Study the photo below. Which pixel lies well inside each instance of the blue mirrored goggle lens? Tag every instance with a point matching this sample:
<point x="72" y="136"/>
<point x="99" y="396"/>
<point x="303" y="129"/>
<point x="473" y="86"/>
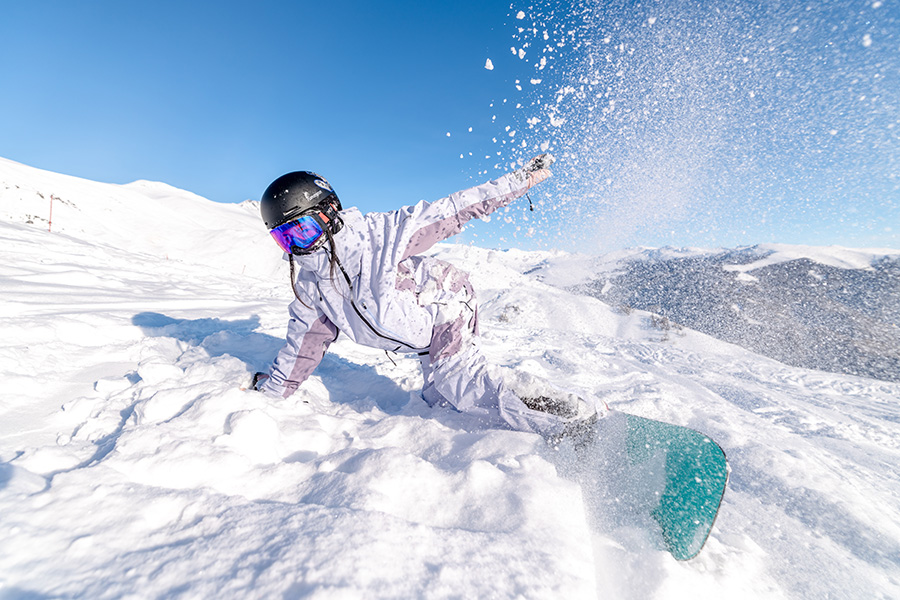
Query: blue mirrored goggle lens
<point x="302" y="232"/>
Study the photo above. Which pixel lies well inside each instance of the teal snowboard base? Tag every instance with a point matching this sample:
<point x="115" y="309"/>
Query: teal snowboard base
<point x="664" y="479"/>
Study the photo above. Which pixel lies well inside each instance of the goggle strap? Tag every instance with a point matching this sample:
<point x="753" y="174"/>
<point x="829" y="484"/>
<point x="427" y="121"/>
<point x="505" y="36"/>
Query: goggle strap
<point x="330" y="216"/>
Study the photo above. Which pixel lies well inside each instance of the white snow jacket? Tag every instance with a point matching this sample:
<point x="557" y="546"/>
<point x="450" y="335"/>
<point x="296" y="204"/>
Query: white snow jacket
<point x="378" y="307"/>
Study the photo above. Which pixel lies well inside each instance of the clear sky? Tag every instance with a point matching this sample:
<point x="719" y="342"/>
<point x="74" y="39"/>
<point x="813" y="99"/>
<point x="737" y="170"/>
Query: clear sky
<point x="728" y="123"/>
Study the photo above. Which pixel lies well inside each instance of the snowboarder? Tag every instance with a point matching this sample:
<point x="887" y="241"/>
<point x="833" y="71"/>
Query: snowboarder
<point x="365" y="275"/>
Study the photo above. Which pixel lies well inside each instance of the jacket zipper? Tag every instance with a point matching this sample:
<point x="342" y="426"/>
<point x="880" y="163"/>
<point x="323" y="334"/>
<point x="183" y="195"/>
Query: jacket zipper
<point x="362" y="317"/>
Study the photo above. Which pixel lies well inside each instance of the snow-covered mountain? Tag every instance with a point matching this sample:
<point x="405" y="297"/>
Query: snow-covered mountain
<point x="834" y="309"/>
<point x="147" y="219"/>
<point x="132" y="464"/>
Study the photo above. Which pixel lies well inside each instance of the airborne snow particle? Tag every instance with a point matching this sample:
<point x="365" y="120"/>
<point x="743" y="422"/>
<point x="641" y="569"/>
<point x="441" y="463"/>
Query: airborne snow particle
<point x="520" y="15"/>
<point x="867" y="40"/>
<point x="489" y="65"/>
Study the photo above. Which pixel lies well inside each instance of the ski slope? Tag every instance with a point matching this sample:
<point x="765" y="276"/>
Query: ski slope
<point x="134" y="465"/>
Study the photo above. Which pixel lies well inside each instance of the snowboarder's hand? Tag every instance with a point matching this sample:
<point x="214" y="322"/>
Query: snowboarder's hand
<point x="540" y="162"/>
<point x="537" y="169"/>
<point x="258" y="380"/>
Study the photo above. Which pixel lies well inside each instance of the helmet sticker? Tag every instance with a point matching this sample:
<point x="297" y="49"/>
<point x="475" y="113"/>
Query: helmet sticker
<point x="323" y="184"/>
<point x="313" y="197"/>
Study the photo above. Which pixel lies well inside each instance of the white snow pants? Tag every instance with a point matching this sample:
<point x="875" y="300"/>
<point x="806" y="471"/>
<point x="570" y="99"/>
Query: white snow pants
<point x="456" y="372"/>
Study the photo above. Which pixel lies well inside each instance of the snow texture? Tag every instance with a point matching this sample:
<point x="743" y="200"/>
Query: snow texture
<point x="133" y="464"/>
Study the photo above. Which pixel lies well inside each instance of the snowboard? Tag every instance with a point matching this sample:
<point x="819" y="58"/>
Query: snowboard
<point x="662" y="479"/>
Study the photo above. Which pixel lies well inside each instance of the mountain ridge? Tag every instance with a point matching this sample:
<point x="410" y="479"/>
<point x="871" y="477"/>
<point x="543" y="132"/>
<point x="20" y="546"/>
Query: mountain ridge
<point x="828" y="308"/>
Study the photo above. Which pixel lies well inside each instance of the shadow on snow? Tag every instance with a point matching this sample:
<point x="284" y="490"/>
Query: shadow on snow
<point x="347" y="382"/>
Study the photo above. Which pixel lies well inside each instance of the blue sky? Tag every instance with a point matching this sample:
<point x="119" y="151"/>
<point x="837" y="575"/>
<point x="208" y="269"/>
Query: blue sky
<point x="722" y="124"/>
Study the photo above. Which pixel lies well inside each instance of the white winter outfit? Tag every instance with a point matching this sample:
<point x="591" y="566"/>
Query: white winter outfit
<point x="385" y="295"/>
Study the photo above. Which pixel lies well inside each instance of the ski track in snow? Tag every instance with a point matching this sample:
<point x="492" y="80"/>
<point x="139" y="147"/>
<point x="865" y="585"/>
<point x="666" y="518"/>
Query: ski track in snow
<point x="132" y="464"/>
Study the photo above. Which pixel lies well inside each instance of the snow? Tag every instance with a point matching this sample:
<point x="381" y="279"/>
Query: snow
<point x="567" y="270"/>
<point x="133" y="464"/>
<point x="833" y="256"/>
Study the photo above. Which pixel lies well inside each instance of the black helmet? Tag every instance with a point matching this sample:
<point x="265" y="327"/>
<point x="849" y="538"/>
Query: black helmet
<point x="291" y="195"/>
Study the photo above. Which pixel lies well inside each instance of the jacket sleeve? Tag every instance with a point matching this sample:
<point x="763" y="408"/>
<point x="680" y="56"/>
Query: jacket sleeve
<point x="421" y="226"/>
<point x="308" y="336"/>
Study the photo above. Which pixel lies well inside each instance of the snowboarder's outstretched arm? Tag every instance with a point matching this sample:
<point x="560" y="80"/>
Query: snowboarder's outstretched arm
<point x="309" y="334"/>
<point x="421" y="226"/>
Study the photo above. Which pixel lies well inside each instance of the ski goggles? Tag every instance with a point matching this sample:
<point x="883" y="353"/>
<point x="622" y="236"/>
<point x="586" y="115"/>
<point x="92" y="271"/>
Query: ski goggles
<point x="300" y="234"/>
<point x="306" y="233"/>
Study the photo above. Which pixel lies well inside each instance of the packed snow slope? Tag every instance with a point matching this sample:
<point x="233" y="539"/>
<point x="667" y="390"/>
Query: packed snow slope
<point x="133" y="464"/>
